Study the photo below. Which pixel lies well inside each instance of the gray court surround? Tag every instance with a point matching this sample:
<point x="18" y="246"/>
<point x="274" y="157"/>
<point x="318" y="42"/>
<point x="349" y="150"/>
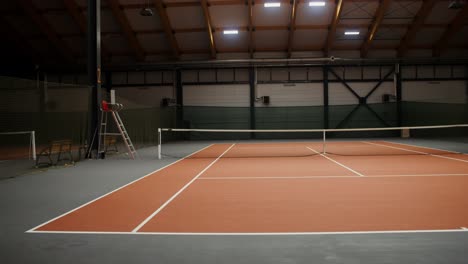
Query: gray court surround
<point x="31" y="199"/>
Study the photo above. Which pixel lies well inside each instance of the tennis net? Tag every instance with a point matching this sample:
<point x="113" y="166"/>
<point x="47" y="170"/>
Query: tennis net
<point x="17" y="145"/>
<point x="416" y="140"/>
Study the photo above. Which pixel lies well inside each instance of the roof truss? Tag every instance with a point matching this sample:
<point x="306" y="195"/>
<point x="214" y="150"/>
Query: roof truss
<point x="418" y="22"/>
<point x="332" y="29"/>
<point x="209" y="28"/>
<point x="161" y="8"/>
<point x="454" y="27"/>
<point x="292" y="26"/>
<point x="379" y="15"/>
<point x="127" y="29"/>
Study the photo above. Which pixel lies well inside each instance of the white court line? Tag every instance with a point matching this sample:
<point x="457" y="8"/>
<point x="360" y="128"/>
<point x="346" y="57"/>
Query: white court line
<point x="415" y="151"/>
<point x="344" y="166"/>
<point x="262" y="234"/>
<point x="179" y="192"/>
<point x="416" y="146"/>
<point x="332" y="177"/>
<point x="104" y="195"/>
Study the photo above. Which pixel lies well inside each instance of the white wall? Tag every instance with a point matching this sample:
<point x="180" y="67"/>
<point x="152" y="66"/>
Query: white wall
<point x="437" y="92"/>
<point x="216" y="95"/>
<point x="143" y="97"/>
<point x="340" y="95"/>
<point x="299" y="94"/>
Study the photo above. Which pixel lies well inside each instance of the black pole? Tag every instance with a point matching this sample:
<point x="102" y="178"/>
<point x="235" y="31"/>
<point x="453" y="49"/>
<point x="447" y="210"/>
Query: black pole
<point x="94" y="74"/>
<point x="398" y="95"/>
<point x="326" y="122"/>
<point x="179" y="99"/>
<point x="252" y="100"/>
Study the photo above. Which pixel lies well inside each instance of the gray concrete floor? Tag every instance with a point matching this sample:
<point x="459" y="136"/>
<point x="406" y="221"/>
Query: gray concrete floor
<point x="34" y="197"/>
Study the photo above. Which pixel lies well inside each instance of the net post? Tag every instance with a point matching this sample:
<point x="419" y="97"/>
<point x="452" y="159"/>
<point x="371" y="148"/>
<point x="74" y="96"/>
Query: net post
<point x="33" y="144"/>
<point x="323" y="142"/>
<point x="159" y="143"/>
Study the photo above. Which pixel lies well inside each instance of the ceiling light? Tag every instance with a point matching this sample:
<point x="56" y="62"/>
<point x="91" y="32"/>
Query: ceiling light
<point x="351" y="33"/>
<point x="231" y="32"/>
<point x="146" y="11"/>
<point x="273" y="4"/>
<point x="317" y="3"/>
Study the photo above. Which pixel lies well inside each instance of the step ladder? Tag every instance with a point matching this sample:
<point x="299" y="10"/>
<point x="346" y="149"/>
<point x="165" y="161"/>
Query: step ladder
<point x="123" y="132"/>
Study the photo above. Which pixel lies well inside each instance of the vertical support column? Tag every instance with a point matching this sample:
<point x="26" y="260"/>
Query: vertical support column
<point x="179" y="99"/>
<point x="326" y="122"/>
<point x="252" y="84"/>
<point x="398" y="90"/>
<point x="94" y="73"/>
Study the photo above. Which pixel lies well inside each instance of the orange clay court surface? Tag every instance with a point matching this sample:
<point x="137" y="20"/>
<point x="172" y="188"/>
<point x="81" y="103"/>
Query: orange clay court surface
<point x="217" y="191"/>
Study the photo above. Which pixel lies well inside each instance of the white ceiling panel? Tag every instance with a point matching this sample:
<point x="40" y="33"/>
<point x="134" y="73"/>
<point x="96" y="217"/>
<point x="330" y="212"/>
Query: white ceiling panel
<point x="309" y="39"/>
<point x="227" y="43"/>
<point x="387" y="43"/>
<point x="187" y="17"/>
<point x="403" y="9"/>
<point x="308" y="15"/>
<point x="229" y="16"/>
<point x="271" y="16"/>
<point x="153" y="42"/>
<point x="441" y="14"/>
<point x="428" y="36"/>
<point x="348" y="44"/>
<point x="108" y="22"/>
<point x="271" y="39"/>
<point x="385" y="33"/>
<point x="139" y="22"/>
<point x="340" y="34"/>
<point x="116" y="43"/>
<point x="193" y="41"/>
<point x="359" y="10"/>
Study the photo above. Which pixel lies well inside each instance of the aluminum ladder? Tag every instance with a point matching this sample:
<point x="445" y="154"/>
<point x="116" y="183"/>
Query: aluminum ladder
<point x="123" y="132"/>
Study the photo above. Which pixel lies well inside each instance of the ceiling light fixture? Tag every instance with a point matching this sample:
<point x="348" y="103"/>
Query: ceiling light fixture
<point x="231" y="32"/>
<point x="317" y="3"/>
<point x="272" y="4"/>
<point x="351" y="33"/>
<point x="146" y="11"/>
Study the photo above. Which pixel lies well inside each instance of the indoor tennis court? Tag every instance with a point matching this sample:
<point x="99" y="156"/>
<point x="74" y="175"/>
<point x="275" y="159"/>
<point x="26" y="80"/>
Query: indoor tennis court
<point x="234" y="131"/>
<point x="236" y="189"/>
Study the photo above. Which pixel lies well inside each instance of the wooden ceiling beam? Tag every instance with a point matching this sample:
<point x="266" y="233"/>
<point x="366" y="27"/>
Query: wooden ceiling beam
<point x="76" y="14"/>
<point x="332" y="29"/>
<point x="292" y="26"/>
<point x="454" y="27"/>
<point x="206" y="14"/>
<point x="161" y="8"/>
<point x="417" y="24"/>
<point x="47" y="30"/>
<point x="379" y="15"/>
<point x="251" y="28"/>
<point x="127" y="29"/>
